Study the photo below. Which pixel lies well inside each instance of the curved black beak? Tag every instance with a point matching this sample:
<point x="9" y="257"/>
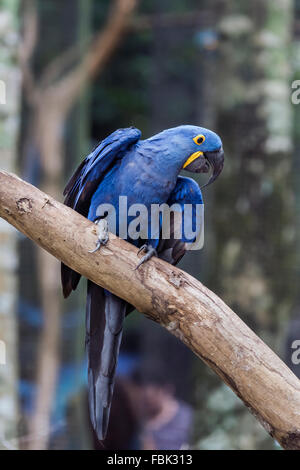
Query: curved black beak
<point x="216" y="162"/>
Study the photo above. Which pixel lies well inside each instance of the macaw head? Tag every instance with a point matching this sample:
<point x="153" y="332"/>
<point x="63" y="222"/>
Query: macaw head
<point x="194" y="149"/>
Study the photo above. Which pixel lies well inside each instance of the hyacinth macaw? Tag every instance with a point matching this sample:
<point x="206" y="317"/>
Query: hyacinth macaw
<point x="147" y="172"/>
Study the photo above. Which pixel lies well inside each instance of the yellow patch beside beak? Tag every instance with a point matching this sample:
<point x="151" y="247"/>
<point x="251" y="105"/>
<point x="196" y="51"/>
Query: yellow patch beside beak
<point x="192" y="158"/>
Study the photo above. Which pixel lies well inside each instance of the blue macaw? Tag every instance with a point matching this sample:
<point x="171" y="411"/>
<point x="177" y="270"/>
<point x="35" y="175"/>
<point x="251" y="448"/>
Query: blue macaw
<point x="146" y="172"/>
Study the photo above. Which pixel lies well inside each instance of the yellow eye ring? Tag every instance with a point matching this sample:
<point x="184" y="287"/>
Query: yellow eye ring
<point x="199" y="139"/>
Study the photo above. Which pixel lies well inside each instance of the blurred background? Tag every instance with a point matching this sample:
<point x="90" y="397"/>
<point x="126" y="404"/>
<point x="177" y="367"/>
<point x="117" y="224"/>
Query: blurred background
<point x="71" y="73"/>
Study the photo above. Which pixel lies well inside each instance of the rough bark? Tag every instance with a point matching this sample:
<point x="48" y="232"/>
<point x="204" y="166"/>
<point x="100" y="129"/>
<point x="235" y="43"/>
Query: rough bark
<point x="169" y="296"/>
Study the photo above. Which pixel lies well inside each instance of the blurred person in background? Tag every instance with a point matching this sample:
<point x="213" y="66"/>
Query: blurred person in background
<point x="166" y="421"/>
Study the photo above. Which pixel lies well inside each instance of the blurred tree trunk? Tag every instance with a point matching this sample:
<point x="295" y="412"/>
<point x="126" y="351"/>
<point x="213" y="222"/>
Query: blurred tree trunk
<point x="296" y="162"/>
<point x="253" y="222"/>
<point x="9" y="110"/>
<point x="53" y="84"/>
<point x="296" y="128"/>
<point x="46" y="136"/>
<point x="293" y="333"/>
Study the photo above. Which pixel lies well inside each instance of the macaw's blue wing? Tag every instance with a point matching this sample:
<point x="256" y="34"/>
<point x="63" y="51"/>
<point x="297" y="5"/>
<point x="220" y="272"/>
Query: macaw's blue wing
<point x="89" y="174"/>
<point x="87" y="178"/>
<point x="187" y="197"/>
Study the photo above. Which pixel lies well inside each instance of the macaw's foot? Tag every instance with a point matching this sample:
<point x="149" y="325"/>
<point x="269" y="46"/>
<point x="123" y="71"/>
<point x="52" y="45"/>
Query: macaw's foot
<point x="149" y="250"/>
<point x="102" y="234"/>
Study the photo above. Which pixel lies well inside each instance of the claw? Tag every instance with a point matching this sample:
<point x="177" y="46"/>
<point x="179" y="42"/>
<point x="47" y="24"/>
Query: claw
<point x="102" y="234"/>
<point x="143" y="248"/>
<point x="99" y="244"/>
<point x="150" y="251"/>
<point x="97" y="247"/>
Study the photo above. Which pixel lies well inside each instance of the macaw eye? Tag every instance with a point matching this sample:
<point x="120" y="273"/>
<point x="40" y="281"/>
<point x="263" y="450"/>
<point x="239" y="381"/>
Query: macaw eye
<point x="199" y="139"/>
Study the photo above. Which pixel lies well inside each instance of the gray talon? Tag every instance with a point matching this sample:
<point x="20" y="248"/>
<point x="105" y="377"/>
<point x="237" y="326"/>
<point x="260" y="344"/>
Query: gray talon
<point x="98" y="246"/>
<point x="103" y="237"/>
<point x="143" y="248"/>
<point x="150" y="251"/>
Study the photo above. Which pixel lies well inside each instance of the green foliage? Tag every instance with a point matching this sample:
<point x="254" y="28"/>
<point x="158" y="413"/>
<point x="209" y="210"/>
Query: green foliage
<point x="10" y="5"/>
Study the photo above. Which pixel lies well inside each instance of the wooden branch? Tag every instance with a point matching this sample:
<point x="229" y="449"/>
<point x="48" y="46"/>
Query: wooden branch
<point x="169" y="296"/>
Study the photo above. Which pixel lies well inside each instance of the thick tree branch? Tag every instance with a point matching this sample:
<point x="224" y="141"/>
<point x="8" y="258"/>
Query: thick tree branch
<point x="169" y="296"/>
